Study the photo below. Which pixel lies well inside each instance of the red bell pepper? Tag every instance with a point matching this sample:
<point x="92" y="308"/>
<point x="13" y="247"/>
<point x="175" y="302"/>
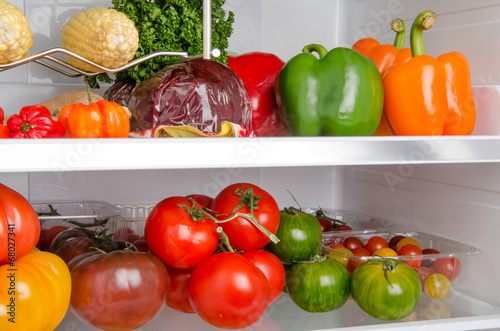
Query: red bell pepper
<point x="258" y="72"/>
<point x="4" y="129"/>
<point x="34" y="122"/>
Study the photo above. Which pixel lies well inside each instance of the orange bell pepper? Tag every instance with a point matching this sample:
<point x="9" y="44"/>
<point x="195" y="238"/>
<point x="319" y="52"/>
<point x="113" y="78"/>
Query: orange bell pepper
<point x="426" y="95"/>
<point x="102" y="119"/>
<point x="385" y="56"/>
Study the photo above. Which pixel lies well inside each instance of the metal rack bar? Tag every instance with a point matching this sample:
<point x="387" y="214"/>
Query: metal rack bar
<point x="45" y="57"/>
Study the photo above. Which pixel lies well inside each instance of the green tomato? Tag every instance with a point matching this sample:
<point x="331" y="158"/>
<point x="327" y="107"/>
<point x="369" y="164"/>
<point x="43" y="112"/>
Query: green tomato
<point x="386" y="289"/>
<point x="299" y="234"/>
<point x="318" y="285"/>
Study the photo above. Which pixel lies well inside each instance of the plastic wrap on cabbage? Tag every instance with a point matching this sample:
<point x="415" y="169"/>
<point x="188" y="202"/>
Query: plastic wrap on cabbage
<point x="199" y="93"/>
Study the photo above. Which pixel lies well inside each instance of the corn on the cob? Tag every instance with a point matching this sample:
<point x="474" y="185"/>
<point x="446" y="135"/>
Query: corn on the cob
<point x="104" y="36"/>
<point x="16" y="37"/>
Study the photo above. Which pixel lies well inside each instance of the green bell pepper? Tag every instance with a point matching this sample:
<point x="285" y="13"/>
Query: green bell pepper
<point x="338" y="94"/>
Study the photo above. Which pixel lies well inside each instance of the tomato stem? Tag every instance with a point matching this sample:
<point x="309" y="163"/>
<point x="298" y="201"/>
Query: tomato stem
<point x="321" y="214"/>
<point x="224" y="245"/>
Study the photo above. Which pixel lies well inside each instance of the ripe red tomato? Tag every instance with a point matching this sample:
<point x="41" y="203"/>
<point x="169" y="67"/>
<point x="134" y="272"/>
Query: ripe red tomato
<point x="179" y="233"/>
<point x="448" y="266"/>
<point x="228" y="291"/>
<point x="352" y="264"/>
<point x="352" y="242"/>
<point x="272" y="268"/>
<point x="19" y="225"/>
<point x="375" y="243"/>
<point x="411" y="250"/>
<point x="204" y="200"/>
<point x="239" y="198"/>
<point x="132" y="289"/>
<point x="178" y="298"/>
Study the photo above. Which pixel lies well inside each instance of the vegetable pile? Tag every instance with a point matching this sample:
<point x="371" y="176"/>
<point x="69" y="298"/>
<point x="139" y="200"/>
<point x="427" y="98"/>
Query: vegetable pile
<point x="225" y="258"/>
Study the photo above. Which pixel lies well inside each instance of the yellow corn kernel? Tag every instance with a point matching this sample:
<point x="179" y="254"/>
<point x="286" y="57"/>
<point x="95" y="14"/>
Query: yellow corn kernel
<point x="104" y="36"/>
<point x="16" y="37"/>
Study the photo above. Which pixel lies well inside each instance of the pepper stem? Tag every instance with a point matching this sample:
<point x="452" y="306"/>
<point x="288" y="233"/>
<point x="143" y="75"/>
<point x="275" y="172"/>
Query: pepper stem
<point x="315" y="48"/>
<point x="424" y="21"/>
<point x="398" y="26"/>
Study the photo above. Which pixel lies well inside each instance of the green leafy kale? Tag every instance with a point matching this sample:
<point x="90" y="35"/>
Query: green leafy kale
<point x="171" y="25"/>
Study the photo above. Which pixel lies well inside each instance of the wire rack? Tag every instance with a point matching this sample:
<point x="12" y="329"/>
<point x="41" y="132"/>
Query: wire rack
<point x="47" y="59"/>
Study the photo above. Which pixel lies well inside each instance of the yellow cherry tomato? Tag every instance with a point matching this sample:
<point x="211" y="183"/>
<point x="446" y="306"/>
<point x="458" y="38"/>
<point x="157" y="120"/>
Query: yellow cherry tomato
<point x="437" y="286"/>
<point x="340" y="254"/>
<point x="386" y="251"/>
<point x="406" y="241"/>
<point x="37" y="292"/>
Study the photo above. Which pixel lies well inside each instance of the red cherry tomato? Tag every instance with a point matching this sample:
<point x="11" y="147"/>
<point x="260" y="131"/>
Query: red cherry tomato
<point x="375" y="243"/>
<point x="272" y="268"/>
<point x="326" y="224"/>
<point x="428" y="262"/>
<point x="237" y="199"/>
<point x="228" y="291"/>
<point x="179" y="233"/>
<point x="448" y="266"/>
<point x="352" y="242"/>
<point x="343" y="227"/>
<point x="178" y="298"/>
<point x="354" y="263"/>
<point x="411" y="250"/>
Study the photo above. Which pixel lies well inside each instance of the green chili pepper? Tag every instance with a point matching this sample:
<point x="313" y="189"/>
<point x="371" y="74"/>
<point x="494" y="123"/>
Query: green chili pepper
<point x="338" y="94"/>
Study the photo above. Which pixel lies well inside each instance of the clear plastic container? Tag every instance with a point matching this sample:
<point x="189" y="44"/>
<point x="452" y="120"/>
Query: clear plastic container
<point x="359" y="223"/>
<point x="448" y="260"/>
<point x="58" y="216"/>
<point x="130" y="225"/>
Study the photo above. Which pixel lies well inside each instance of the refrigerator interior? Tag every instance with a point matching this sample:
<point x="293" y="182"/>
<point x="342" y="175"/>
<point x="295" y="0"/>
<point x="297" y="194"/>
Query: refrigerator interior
<point x="444" y="186"/>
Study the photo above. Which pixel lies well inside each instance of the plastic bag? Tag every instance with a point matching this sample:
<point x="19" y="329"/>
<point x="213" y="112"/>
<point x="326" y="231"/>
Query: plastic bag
<point x="199" y="93"/>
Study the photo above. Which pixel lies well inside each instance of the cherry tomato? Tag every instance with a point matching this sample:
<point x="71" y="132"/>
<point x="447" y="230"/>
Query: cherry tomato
<point x="326" y="224"/>
<point x="354" y="263"/>
<point x="437" y="286"/>
<point x="343" y="227"/>
<point x="406" y="241"/>
<point x="340" y="254"/>
<point x="178" y="298"/>
<point x="375" y="243"/>
<point x="204" y="200"/>
<point x="428" y="262"/>
<point x="240" y="198"/>
<point x="423" y="272"/>
<point x="335" y="245"/>
<point x="393" y="242"/>
<point x="352" y="242"/>
<point x="385" y="251"/>
<point x="179" y="233"/>
<point x="411" y="250"/>
<point x="448" y="266"/>
<point x="272" y="268"/>
<point x="228" y="291"/>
